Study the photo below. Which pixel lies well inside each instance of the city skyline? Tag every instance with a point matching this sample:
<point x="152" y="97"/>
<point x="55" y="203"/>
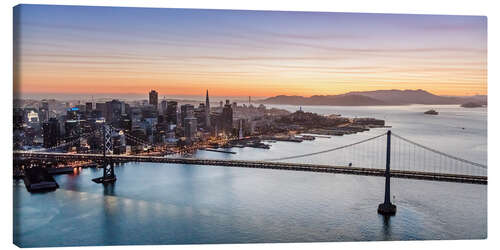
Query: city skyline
<point x="110" y="50"/>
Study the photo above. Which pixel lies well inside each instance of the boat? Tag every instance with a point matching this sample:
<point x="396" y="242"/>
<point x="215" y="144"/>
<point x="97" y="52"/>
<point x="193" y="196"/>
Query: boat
<point x="308" y="137"/>
<point x="218" y="151"/>
<point x="431" y="112"/>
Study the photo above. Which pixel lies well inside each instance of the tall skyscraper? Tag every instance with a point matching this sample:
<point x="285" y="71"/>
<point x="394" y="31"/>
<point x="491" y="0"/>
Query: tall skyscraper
<point x="163" y="106"/>
<point x="88" y="107"/>
<point x="101" y="109"/>
<point x="171" y="112"/>
<point x="153" y="98"/>
<point x="51" y="133"/>
<point x="190" y="128"/>
<point x="43" y="111"/>
<point x="207" y="111"/>
<point x="227" y="118"/>
<point x="240" y="131"/>
<point x="187" y="110"/>
<point x="113" y="111"/>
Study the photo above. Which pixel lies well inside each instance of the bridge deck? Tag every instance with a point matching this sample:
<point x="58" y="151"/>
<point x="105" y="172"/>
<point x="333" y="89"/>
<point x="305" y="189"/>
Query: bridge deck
<point x="38" y="156"/>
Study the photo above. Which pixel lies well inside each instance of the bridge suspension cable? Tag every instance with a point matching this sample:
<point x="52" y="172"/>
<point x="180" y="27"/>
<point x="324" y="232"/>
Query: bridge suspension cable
<point x="440" y="153"/>
<point x="327" y="150"/>
<point x="132" y="138"/>
<point x="86" y="135"/>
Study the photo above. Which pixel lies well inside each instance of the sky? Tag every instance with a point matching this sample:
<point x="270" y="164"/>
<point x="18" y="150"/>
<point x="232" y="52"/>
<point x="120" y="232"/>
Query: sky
<point x="113" y="50"/>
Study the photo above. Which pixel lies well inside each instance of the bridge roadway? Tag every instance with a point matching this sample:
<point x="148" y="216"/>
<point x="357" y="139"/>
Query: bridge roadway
<point x="43" y="156"/>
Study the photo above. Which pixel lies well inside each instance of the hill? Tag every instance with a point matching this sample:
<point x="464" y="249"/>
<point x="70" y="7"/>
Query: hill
<point x="369" y="98"/>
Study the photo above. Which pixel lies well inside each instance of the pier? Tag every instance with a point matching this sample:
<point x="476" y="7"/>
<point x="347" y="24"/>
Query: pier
<point x="217" y="150"/>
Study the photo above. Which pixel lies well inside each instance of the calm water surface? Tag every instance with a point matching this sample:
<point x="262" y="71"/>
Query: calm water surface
<point x="185" y="204"/>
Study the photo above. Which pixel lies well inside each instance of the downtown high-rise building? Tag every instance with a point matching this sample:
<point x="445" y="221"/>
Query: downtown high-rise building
<point x="227" y="118"/>
<point x="187" y="110"/>
<point x="207" y="111"/>
<point x="171" y="114"/>
<point x="51" y="133"/>
<point x="163" y="109"/>
<point x="190" y="125"/>
<point x="43" y="112"/>
<point x="88" y="107"/>
<point x="153" y="98"/>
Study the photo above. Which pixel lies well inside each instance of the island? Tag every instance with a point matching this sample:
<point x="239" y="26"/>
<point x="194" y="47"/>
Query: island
<point x="471" y="105"/>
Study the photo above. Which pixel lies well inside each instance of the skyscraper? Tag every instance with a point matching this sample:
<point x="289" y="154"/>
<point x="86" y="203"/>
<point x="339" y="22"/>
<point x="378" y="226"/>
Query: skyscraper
<point x="163" y="106"/>
<point x="51" y="133"/>
<point x="101" y="109"/>
<point x="187" y="110"/>
<point x="88" y="107"/>
<point x="153" y="98"/>
<point x="227" y="118"/>
<point x="43" y="112"/>
<point x="190" y="128"/>
<point x="113" y="111"/>
<point x="207" y="111"/>
<point x="171" y="112"/>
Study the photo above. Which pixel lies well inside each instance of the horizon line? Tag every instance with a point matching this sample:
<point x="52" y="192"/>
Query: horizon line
<point x="17" y="95"/>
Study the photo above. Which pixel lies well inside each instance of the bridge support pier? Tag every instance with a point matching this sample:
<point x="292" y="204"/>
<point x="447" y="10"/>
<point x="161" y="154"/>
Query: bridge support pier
<point x="109" y="166"/>
<point x="387" y="208"/>
<point x="108" y="174"/>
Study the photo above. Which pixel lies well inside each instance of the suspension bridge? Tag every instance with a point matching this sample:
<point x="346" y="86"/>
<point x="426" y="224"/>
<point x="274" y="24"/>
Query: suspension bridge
<point x="386" y="155"/>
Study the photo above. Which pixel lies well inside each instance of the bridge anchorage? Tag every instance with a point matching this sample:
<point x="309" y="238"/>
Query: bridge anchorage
<point x="108" y="165"/>
<point x="387" y="208"/>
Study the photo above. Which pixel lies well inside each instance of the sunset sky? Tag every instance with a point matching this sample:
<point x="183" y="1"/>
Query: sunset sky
<point x="94" y="50"/>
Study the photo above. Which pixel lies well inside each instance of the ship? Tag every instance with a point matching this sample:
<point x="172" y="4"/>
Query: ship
<point x="431" y="112"/>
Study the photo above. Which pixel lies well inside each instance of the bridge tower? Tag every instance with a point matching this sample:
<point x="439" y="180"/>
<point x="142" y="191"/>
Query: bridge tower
<point x="108" y="165"/>
<point x="387" y="208"/>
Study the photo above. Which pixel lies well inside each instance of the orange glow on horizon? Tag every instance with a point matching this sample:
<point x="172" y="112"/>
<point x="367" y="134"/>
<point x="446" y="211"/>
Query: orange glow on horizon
<point x="185" y="52"/>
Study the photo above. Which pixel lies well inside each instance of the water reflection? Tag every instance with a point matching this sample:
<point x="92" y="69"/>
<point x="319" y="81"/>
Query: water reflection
<point x="181" y="204"/>
<point x="108" y="189"/>
<point x="386" y="229"/>
<point x="110" y="215"/>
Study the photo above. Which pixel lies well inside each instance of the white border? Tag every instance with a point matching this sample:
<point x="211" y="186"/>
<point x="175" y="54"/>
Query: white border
<point x="471" y="7"/>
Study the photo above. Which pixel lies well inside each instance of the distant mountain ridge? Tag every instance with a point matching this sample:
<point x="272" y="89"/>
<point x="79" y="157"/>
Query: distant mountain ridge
<point x="373" y="98"/>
